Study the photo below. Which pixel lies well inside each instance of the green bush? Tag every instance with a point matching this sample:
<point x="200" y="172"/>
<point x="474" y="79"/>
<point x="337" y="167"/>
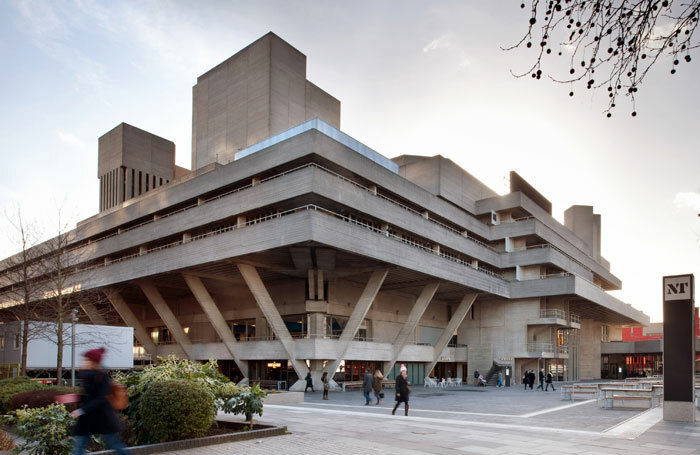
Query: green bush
<point x="176" y="409"/>
<point x="14" y="386"/>
<point x="45" y="430"/>
<point x="248" y="401"/>
<point x="206" y="375"/>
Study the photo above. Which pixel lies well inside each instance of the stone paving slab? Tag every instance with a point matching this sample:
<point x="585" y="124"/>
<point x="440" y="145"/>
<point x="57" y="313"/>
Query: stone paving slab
<point x="332" y="429"/>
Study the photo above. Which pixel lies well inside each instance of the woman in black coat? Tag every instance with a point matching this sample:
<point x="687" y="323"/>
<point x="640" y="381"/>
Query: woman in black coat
<point x="309" y="382"/>
<point x="402" y="390"/>
<point x="95" y="415"/>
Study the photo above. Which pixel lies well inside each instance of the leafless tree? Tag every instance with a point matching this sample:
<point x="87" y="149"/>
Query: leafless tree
<point x="609" y="44"/>
<point x="22" y="272"/>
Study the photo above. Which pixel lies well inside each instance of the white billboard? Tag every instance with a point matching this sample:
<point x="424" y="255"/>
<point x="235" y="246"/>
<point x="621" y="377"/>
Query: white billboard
<point x="117" y="341"/>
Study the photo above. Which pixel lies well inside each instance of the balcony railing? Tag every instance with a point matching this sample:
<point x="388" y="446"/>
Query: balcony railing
<point x="547" y="348"/>
<point x="553" y="313"/>
<point x="560" y="314"/>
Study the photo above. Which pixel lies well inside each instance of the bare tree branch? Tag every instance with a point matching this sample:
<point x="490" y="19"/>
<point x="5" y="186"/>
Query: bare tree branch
<point x="611" y="44"/>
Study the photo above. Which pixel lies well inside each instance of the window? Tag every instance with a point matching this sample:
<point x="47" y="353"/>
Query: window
<point x="471" y="312"/>
<point x="18" y="342"/>
<point x="243" y="330"/>
<point x="132" y="182"/>
<point x="139" y="182"/>
<point x="604" y="337"/>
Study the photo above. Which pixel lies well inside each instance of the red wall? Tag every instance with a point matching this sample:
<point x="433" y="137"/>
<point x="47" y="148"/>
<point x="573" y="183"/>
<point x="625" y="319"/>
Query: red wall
<point x="637" y="333"/>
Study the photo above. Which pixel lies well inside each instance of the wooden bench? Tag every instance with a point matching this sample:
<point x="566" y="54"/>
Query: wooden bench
<point x="349" y="385"/>
<point x="608" y="395"/>
<point x="610" y="401"/>
<point x="571" y="391"/>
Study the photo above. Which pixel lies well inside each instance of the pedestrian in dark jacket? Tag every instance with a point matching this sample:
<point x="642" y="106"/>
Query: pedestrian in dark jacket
<point x="309" y="382"/>
<point x="367" y="384"/>
<point x="550" y="377"/>
<point x="526" y="379"/>
<point x="541" y="378"/>
<point x="402" y="390"/>
<point x="531" y="377"/>
<point x="95" y="415"/>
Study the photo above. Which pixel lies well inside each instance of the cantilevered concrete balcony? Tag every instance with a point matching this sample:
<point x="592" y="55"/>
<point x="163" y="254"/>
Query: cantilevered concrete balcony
<point x="543" y="351"/>
<point x="556" y="317"/>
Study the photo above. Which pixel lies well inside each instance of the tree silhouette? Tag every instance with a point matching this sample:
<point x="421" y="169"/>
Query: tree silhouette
<point x="609" y="44"/>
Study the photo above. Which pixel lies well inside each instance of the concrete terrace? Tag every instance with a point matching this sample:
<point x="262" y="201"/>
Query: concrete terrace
<point x="467" y="420"/>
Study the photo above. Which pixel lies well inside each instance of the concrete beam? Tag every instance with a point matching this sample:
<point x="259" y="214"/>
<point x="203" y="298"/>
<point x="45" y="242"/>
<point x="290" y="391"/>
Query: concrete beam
<point x="132" y="321"/>
<point x="268" y="308"/>
<point x="168" y="317"/>
<point x="356" y="317"/>
<point x="92" y="313"/>
<point x="457" y="318"/>
<point x="412" y="321"/>
<point x="211" y="310"/>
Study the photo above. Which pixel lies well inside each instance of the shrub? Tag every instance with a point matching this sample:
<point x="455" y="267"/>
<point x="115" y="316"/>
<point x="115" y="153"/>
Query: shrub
<point x="176" y="409"/>
<point x="6" y="442"/>
<point x="248" y="401"/>
<point x="206" y="375"/>
<point x="13" y="386"/>
<point x="44" y="430"/>
<point x="42" y="398"/>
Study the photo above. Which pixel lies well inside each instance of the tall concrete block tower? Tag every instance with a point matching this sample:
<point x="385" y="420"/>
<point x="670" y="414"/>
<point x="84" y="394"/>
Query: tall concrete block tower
<point x="257" y="93"/>
<point x="130" y="162"/>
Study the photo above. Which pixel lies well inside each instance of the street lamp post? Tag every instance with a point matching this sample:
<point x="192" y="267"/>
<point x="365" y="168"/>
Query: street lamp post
<point x="74" y="319"/>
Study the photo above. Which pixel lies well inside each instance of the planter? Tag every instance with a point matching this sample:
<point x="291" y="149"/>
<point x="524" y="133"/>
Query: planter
<point x="262" y="431"/>
<point x="284" y="398"/>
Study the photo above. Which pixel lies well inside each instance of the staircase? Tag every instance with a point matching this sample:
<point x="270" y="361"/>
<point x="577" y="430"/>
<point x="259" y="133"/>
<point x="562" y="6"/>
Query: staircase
<point x="492" y="376"/>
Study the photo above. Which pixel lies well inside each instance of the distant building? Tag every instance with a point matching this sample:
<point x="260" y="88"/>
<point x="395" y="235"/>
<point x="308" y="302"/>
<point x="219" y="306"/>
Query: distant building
<point x="292" y="246"/>
<point x="638" y="351"/>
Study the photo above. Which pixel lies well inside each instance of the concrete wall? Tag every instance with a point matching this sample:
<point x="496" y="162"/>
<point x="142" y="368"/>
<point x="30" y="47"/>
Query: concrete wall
<point x="257" y="93"/>
<point x="581" y="220"/>
<point x="590" y="349"/>
<point x="442" y="177"/>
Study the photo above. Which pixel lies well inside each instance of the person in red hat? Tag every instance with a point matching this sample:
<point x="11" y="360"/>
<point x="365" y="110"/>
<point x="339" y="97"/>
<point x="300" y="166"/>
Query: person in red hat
<point x="95" y="415"/>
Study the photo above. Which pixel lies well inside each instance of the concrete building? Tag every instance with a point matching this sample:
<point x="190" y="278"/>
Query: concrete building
<point x="291" y="246"/>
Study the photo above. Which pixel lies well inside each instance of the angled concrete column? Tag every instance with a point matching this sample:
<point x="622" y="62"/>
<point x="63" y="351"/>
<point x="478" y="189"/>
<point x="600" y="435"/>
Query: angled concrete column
<point x="168" y="318"/>
<point x="132" y="321"/>
<point x="92" y="313"/>
<point x="267" y="306"/>
<point x="407" y="329"/>
<point x="356" y="317"/>
<point x="455" y="321"/>
<point x="211" y="310"/>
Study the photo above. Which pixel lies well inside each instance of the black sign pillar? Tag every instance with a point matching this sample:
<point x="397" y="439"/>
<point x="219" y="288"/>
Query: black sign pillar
<point x="679" y="348"/>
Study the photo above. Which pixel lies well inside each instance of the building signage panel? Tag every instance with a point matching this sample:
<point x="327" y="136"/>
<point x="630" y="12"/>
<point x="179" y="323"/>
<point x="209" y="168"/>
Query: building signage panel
<point x="679" y="348"/>
<point x="678" y="288"/>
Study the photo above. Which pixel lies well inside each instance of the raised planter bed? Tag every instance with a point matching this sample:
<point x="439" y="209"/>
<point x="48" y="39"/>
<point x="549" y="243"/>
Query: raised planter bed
<point x="284" y="398"/>
<point x="260" y="431"/>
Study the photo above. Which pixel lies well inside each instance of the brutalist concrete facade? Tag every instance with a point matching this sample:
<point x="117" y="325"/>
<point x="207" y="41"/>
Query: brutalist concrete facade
<point x="291" y="246"/>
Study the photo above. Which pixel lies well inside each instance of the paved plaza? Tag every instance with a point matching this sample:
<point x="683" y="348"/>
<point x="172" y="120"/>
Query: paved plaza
<point x="466" y="420"/>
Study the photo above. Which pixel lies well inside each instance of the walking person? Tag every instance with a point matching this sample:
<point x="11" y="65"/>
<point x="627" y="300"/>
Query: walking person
<point x="526" y="379"/>
<point x="96" y="415"/>
<point x="550" y="377"/>
<point x="367" y="384"/>
<point x="500" y="379"/>
<point x="476" y="377"/>
<point x="531" y="378"/>
<point x="309" y="382"/>
<point x="403" y="390"/>
<point x="326" y="385"/>
<point x="377" y="386"/>
<point x="541" y="378"/>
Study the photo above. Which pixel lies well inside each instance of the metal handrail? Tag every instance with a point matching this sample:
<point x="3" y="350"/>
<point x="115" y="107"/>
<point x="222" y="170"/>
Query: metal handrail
<point x="553" y="313"/>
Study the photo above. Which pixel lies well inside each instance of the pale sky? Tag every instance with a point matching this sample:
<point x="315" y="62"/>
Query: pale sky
<point x="413" y="77"/>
